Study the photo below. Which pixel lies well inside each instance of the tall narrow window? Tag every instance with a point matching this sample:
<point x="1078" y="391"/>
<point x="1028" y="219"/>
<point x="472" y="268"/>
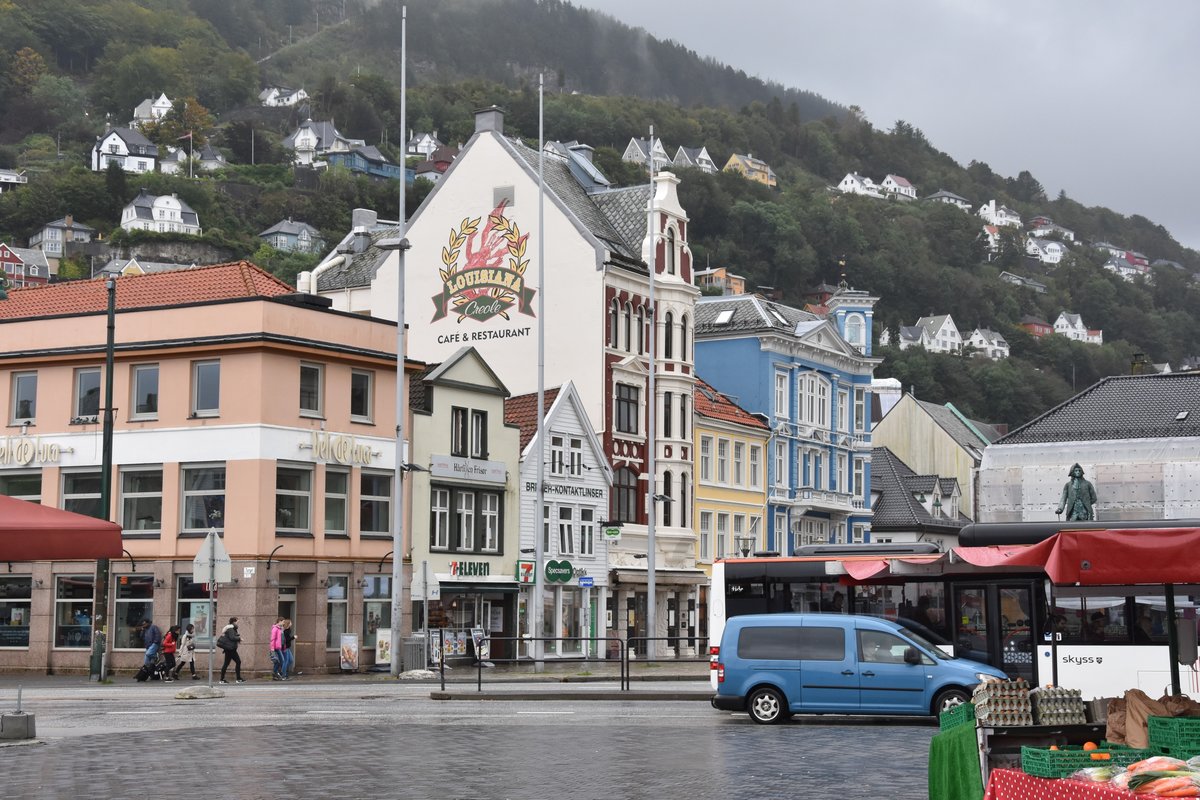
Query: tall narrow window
<point x="857" y="488"/>
<point x="641" y="330"/>
<point x="669" y="495"/>
<point x="311" y="390"/>
<point x="671" y="251"/>
<point x="755" y="466"/>
<point x="545" y="529"/>
<point x="24" y="394"/>
<point x="87" y="393"/>
<point x="362" y="391"/>
<point x="458" y="432"/>
<point x="722" y="535"/>
<point x="337" y="501"/>
<point x="490" y="507"/>
<point x="781" y="464"/>
<point x="683" y="339"/>
<point x="145" y="391"/>
<point x="683" y="500"/>
<point x="722" y="461"/>
<point x="614" y="324"/>
<point x="781" y="394"/>
<point x="206" y="388"/>
<point x="439" y="519"/>
<point x="628" y="320"/>
<point x="587" y="532"/>
<point x="705" y="535"/>
<point x="625" y="495"/>
<point x="576" y="457"/>
<point x="739" y="463"/>
<point x="464" y="512"/>
<point x="566" y="534"/>
<point x="558" y="454"/>
<point x="685" y="426"/>
<point x="668" y="400"/>
<point x="840" y="485"/>
<point x="860" y="409"/>
<point x="479" y="431"/>
<point x="669" y="335"/>
<point x="375" y="504"/>
<point x="627" y="408"/>
<point x="706" y="458"/>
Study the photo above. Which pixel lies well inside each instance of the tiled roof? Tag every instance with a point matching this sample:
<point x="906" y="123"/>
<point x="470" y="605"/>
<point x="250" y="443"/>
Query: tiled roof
<point x="522" y="412"/>
<point x="1121" y="407"/>
<point x="710" y="403"/>
<point x="897" y="508"/>
<point x="239" y="279"/>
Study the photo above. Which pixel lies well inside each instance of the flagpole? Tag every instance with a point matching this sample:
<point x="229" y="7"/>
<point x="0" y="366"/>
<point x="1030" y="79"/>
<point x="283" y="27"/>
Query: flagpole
<point x="651" y="419"/>
<point x="539" y="543"/>
<point x="191" y="138"/>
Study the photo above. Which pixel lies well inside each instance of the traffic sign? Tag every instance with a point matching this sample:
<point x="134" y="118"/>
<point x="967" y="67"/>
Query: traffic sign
<point x="586" y="581"/>
<point x="212" y="561"/>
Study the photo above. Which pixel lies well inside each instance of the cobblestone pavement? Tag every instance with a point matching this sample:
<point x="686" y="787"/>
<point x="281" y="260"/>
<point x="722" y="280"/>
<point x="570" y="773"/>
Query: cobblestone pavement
<point x="299" y="740"/>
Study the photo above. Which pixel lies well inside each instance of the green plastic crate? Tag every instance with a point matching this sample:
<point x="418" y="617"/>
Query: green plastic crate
<point x="1046" y="763"/>
<point x="959" y="715"/>
<point x="1178" y="735"/>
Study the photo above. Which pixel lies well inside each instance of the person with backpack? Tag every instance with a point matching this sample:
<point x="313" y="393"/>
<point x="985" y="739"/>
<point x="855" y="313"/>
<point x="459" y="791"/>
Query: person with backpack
<point x="228" y="641"/>
<point x="277" y="673"/>
<point x="152" y="639"/>
<point x="169" y="644"/>
<point x="187" y="652"/>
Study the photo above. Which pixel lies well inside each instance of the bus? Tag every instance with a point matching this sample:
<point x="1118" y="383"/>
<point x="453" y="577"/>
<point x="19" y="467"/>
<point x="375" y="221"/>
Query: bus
<point x="1101" y="640"/>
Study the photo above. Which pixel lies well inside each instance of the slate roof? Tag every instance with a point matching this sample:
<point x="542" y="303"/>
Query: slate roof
<point x="933" y="324"/>
<point x="959" y="427"/>
<point x="911" y="333"/>
<point x="32" y="257"/>
<point x="287" y="226"/>
<point x="326" y="135"/>
<point x="134" y="141"/>
<point x="418" y="394"/>
<point x="363" y="266"/>
<point x="751" y="312"/>
<point x="1120" y="407"/>
<point x="62" y="223"/>
<point x="522" y="412"/>
<point x="940" y="193"/>
<point x="239" y="279"/>
<point x="896" y="483"/>
<point x="708" y="402"/>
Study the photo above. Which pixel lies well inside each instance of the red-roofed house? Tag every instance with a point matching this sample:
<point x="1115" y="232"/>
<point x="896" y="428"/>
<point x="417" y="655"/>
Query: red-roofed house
<point x="731" y="484"/>
<point x="238" y="406"/>
<point x="898" y="186"/>
<point x="577" y="482"/>
<point x="23" y="267"/>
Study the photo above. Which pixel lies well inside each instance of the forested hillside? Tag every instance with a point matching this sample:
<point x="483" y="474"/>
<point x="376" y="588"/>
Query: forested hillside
<point x="67" y="65"/>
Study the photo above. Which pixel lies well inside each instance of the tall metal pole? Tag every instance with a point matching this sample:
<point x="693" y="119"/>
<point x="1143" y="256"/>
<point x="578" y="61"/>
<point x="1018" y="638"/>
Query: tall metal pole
<point x="398" y="548"/>
<point x="212" y="599"/>
<point x="539" y="545"/>
<point x="651" y="419"/>
<point x="100" y="590"/>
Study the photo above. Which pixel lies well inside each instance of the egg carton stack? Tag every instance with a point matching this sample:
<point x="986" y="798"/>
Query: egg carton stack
<point x="1055" y="706"/>
<point x="1003" y="703"/>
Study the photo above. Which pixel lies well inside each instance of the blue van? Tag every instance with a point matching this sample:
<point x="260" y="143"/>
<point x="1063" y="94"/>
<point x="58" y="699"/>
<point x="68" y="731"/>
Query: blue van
<point x="775" y="665"/>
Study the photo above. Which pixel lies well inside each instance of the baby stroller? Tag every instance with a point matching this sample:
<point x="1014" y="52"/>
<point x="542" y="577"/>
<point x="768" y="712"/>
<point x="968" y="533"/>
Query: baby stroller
<point x="154" y="671"/>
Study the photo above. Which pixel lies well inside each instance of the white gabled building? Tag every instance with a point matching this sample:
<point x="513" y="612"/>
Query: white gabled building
<point x="897" y="186"/>
<point x="637" y="149"/>
<point x="695" y="158"/>
<point x="988" y="343"/>
<point x="281" y="96"/>
<point x="999" y="215"/>
<point x="943" y="334"/>
<point x="854" y="183"/>
<point x="150" y="110"/>
<point x="1071" y="326"/>
<point x="162" y="214"/>
<point x="1047" y="251"/>
<point x="950" y="198"/>
<point x="126" y="147"/>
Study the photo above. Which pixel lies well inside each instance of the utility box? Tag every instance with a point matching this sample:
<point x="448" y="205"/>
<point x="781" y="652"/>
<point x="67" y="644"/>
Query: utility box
<point x="17" y="726"/>
<point x="413" y="654"/>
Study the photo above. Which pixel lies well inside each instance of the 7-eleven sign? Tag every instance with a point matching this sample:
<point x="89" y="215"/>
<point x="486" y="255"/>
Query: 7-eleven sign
<point x="525" y="572"/>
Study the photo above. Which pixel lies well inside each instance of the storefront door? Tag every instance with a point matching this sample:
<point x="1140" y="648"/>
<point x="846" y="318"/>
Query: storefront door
<point x="635" y="631"/>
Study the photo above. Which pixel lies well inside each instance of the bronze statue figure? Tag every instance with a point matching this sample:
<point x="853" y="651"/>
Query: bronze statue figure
<point x="1078" y="497"/>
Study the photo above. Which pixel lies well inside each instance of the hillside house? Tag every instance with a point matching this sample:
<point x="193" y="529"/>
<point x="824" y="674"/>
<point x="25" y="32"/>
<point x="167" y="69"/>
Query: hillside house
<point x="422" y="144"/>
<point x="999" y="215"/>
<point x="281" y="97"/>
<point x="23" y="266"/>
<point x="366" y="160"/>
<point x="1071" y="326"/>
<point x="943" y="334"/>
<point x="150" y="110"/>
<point x="207" y="159"/>
<point x="992" y="234"/>
<point x="55" y="237"/>
<point x="637" y="149"/>
<point x="694" y="158"/>
<point x="162" y="213"/>
<point x="906" y="336"/>
<point x="1047" y="251"/>
<point x="988" y="343"/>
<point x="127" y="148"/>
<point x="1036" y="326"/>
<point x="1044" y="226"/>
<point x="293" y="237"/>
<point x="854" y="183"/>
<point x="897" y="186"/>
<point x="950" y="198"/>
<point x="721" y="278"/>
<point x="1125" y="268"/>
<point x="137" y="266"/>
<point x="751" y="168"/>
<point x="313" y="141"/>
<point x="10" y="179"/>
<point x="1023" y="282"/>
<point x="434" y="167"/>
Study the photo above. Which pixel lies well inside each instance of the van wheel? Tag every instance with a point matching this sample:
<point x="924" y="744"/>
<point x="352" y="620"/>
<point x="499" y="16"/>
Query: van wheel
<point x="948" y="699"/>
<point x="767" y="707"/>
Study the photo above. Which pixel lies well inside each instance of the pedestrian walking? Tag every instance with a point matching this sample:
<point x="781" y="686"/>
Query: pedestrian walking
<point x="277" y="673"/>
<point x="228" y="641"/>
<point x="186" y="652"/>
<point x="170" y="644"/>
<point x="289" y="654"/>
<point x="152" y="639"/>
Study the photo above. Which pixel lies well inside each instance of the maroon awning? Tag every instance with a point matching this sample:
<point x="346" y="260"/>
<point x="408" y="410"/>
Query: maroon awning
<point x="1102" y="557"/>
<point x="32" y="532"/>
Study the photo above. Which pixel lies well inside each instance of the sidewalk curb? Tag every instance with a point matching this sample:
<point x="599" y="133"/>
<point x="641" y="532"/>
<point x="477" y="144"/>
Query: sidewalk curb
<point x="573" y="695"/>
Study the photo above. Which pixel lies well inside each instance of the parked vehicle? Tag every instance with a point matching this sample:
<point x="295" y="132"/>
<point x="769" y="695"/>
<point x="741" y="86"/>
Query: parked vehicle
<point x="775" y="665"/>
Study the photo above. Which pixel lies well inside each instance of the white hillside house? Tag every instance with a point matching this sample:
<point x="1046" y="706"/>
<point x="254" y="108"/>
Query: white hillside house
<point x="999" y="215"/>
<point x="150" y="110"/>
<point x="943" y="334"/>
<point x="1047" y="251"/>
<point x="897" y="186"/>
<point x="988" y="343"/>
<point x="162" y="214"/>
<point x="281" y="97"/>
<point x="950" y="199"/>
<point x="1071" y="326"/>
<point x="854" y="183"/>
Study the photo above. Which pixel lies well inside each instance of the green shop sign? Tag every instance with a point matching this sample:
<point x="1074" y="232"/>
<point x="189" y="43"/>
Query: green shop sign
<point x="559" y="571"/>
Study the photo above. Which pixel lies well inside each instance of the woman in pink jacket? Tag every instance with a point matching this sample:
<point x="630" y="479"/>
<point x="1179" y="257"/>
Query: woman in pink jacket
<point x="277" y="673"/>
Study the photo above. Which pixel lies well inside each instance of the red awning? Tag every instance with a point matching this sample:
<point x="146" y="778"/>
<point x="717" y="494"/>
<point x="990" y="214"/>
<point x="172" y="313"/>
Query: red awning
<point x="1102" y="557"/>
<point x="861" y="569"/>
<point x="32" y="532"/>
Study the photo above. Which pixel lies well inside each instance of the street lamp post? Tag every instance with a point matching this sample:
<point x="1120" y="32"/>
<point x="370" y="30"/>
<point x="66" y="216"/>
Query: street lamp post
<point x="100" y="590"/>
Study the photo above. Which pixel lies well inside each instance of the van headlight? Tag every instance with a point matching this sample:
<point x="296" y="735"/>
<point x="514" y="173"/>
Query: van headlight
<point x="984" y="676"/>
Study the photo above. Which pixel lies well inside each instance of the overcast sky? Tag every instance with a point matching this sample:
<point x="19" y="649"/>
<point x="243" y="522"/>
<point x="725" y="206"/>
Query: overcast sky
<point x="1097" y="97"/>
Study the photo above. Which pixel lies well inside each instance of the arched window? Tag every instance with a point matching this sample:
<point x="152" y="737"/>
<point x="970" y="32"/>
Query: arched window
<point x="683" y="339"/>
<point x="668" y="336"/>
<point x="856" y="330"/>
<point x="614" y="323"/>
<point x="628" y="324"/>
<point x="666" y="506"/>
<point x="671" y="251"/>
<point x="641" y="333"/>
<point x="683" y="503"/>
<point x="625" y="495"/>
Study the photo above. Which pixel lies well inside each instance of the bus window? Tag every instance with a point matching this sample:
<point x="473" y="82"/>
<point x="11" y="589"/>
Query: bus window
<point x="919" y="607"/>
<point x="1093" y="620"/>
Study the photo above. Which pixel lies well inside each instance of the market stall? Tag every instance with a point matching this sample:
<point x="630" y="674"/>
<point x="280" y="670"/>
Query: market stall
<point x="33" y="532"/>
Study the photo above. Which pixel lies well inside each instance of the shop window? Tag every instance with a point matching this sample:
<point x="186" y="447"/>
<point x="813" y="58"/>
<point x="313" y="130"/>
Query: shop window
<point x="375" y="503"/>
<point x="206" y="388"/>
<point x="193" y="608"/>
<point x="490" y="521"/>
<point x="627" y="408"/>
<point x="141" y="500"/>
<point x="439" y="519"/>
<point x="362" y="396"/>
<point x="134" y="603"/>
<point x="81" y="493"/>
<point x="145" y="391"/>
<point x="22" y="485"/>
<point x="24" y="393"/>
<point x="336" y="610"/>
<point x="73" y="611"/>
<point x="558" y="454"/>
<point x="293" y="500"/>
<point x="203" y="500"/>
<point x="337" y="501"/>
<point x="587" y="532"/>
<point x="16" y="593"/>
<point x="566" y="534"/>
<point x="377" y="607"/>
<point x="87" y="393"/>
<point x="625" y="495"/>
<point x="706" y="535"/>
<point x="311" y="390"/>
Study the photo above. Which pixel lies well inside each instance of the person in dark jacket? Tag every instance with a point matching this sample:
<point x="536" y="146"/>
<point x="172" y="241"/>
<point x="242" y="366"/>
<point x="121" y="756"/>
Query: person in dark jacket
<point x="152" y="638"/>
<point x="228" y="641"/>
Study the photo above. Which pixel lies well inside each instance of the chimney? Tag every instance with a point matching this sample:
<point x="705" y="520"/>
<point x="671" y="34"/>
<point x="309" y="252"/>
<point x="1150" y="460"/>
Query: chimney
<point x="490" y="119"/>
<point x="585" y="152"/>
<point x="70" y="220"/>
<point x="360" y="240"/>
<point x="363" y="218"/>
<point x="1139" y="365"/>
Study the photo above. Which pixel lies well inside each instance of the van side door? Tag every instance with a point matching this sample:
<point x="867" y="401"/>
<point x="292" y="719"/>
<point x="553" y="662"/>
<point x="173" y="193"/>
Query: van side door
<point x="828" y="668"/>
<point x="768" y="654"/>
<point x="889" y="685"/>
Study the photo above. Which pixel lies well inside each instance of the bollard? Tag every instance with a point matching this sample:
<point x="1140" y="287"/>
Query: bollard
<point x="18" y="725"/>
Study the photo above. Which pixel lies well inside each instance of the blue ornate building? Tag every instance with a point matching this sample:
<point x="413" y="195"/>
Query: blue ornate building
<point x="810" y="375"/>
